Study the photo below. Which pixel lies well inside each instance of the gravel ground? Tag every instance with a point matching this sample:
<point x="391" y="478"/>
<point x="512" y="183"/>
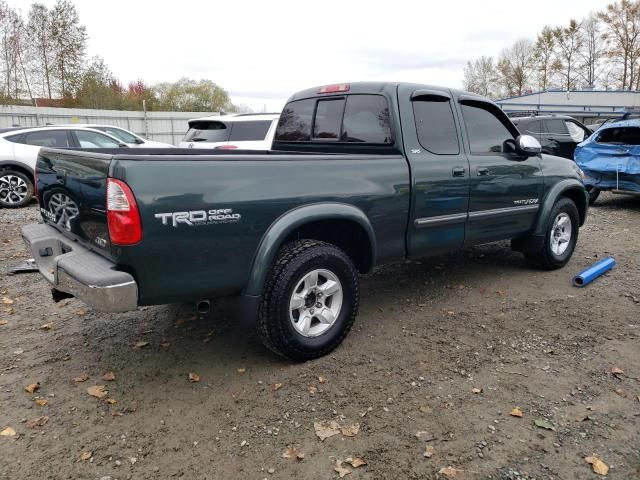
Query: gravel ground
<point x="443" y="350"/>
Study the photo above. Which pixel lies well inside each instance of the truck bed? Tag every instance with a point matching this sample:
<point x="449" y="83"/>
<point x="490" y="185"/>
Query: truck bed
<point x="247" y="191"/>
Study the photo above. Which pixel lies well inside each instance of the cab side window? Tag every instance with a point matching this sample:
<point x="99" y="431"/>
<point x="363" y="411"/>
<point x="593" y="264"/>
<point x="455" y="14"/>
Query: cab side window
<point x="435" y="126"/>
<point x="486" y="131"/>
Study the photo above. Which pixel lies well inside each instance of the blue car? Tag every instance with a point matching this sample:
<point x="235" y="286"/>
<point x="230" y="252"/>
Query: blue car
<point x="610" y="159"/>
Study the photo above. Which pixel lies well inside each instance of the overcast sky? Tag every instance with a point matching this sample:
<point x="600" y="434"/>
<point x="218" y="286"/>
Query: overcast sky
<point x="264" y="50"/>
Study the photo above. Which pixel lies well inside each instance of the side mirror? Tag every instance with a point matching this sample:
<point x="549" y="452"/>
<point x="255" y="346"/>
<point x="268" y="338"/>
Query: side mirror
<point x="528" y="145"/>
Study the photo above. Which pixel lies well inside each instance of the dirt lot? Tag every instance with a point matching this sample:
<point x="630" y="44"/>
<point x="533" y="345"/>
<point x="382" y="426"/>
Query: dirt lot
<point x="428" y="334"/>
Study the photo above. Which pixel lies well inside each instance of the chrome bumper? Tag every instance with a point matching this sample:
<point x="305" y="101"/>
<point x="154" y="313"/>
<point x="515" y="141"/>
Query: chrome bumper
<point x="76" y="270"/>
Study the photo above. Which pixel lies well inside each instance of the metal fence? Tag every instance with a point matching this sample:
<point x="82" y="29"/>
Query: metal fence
<point x="167" y="127"/>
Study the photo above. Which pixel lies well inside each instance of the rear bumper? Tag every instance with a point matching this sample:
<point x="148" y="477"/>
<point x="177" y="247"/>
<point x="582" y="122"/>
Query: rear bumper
<point x="74" y="269"/>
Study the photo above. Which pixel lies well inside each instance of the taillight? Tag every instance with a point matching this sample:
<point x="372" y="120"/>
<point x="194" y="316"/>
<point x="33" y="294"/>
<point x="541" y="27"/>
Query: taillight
<point x="227" y="147"/>
<point x="123" y="217"/>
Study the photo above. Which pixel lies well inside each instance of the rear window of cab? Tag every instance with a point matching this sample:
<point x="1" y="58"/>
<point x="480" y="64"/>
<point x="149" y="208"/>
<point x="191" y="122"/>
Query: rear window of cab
<point x="355" y="118"/>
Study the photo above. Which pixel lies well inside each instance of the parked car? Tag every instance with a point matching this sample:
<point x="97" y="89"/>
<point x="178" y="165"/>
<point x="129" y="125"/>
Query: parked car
<point x="344" y="189"/>
<point x="252" y="131"/>
<point x="558" y="134"/>
<point x="610" y="159"/>
<point x="19" y="149"/>
<point x="125" y="136"/>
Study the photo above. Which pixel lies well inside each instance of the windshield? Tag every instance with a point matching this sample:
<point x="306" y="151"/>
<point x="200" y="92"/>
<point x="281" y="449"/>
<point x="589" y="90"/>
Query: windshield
<point x="207" y="131"/>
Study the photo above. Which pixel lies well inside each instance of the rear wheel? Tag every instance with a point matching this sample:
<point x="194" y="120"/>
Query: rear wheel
<point x="560" y="236"/>
<point x="594" y="193"/>
<point x="310" y="300"/>
<point x="16" y="189"/>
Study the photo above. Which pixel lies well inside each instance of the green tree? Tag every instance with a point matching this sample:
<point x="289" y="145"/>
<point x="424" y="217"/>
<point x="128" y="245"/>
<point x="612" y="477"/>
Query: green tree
<point x="569" y="43"/>
<point x="189" y="95"/>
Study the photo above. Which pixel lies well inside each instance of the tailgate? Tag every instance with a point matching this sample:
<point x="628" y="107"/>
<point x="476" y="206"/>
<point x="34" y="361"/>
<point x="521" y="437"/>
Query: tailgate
<point x="71" y="191"/>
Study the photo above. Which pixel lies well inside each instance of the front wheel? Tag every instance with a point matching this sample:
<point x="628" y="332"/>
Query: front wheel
<point x="560" y="236"/>
<point x="16" y="189"/>
<point x="310" y="300"/>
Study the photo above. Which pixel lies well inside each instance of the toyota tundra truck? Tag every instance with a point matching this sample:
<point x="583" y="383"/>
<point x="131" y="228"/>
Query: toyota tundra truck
<point x="358" y="175"/>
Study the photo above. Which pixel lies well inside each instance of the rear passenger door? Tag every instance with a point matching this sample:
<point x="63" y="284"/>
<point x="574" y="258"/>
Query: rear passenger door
<point x="505" y="186"/>
<point x="440" y="172"/>
<point x="28" y="144"/>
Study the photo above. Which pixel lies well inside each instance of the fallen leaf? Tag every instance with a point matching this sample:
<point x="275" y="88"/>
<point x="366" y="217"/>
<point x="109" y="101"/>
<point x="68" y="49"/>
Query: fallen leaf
<point x="7" y="301"/>
<point x="597" y="465"/>
<point x="38" y="422"/>
<point x="4" y="322"/>
<point x="111" y="401"/>
<point x="165" y="344"/>
<point x="516" y="412"/>
<point x="342" y="471"/>
<point x="546" y="424"/>
<point x="293" y="452"/>
<point x="356" y="462"/>
<point x="350" y="430"/>
<point x="477" y="390"/>
<point x="326" y="428"/>
<point x="98" y="391"/>
<point x="32" y="387"/>
<point x="451" y="472"/>
<point x="141" y="344"/>
<point x="41" y="402"/>
<point x="194" y="377"/>
<point x="429" y="451"/>
<point x="276" y="386"/>
<point x="8" y="432"/>
<point x="321" y="379"/>
<point x="84" y="456"/>
<point x="109" y="377"/>
<point x="616" y="371"/>
<point x="425" y="409"/>
<point x="312" y="390"/>
<point x="46" y="326"/>
<point x="242" y="370"/>
<point x="83" y="377"/>
<point x="621" y="391"/>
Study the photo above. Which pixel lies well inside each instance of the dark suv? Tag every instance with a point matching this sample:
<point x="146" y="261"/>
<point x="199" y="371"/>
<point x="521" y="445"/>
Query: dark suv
<point x="558" y="134"/>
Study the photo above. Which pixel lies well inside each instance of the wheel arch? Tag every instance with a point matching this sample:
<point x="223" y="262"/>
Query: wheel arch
<point x="19" y="167"/>
<point x="343" y="225"/>
<point x="569" y="188"/>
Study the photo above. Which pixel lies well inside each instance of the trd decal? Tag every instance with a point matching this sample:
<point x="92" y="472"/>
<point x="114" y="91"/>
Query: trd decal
<point x="198" y="217"/>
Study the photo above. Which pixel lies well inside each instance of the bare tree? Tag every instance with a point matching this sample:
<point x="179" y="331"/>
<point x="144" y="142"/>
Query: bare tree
<point x="622" y="33"/>
<point x="515" y="67"/>
<point x="480" y="76"/>
<point x="12" y="32"/>
<point x="69" y="40"/>
<point x="592" y="51"/>
<point x="544" y="58"/>
<point x="42" y="47"/>
<point x="569" y="43"/>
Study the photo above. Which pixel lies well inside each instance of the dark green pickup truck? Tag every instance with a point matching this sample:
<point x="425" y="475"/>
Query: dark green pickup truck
<point x="359" y="174"/>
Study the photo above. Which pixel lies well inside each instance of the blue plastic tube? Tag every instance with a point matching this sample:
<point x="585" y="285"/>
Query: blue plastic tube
<point x="594" y="271"/>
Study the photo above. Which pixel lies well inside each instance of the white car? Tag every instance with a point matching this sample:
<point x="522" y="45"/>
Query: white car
<point x="247" y="131"/>
<point x="125" y="136"/>
<point x="19" y="149"/>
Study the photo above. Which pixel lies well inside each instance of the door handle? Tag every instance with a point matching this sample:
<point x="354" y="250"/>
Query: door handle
<point x="458" y="171"/>
<point x="481" y="171"/>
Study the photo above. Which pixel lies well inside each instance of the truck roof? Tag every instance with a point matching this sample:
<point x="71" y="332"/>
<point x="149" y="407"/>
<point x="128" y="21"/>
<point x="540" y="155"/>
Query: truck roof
<point x="377" y="87"/>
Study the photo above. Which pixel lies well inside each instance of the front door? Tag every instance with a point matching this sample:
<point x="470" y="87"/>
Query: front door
<point x="439" y="171"/>
<point x="505" y="186"/>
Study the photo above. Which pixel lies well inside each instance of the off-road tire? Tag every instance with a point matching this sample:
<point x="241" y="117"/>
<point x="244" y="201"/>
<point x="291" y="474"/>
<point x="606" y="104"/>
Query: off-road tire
<point x="293" y="261"/>
<point x="538" y="251"/>
<point x="27" y="196"/>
